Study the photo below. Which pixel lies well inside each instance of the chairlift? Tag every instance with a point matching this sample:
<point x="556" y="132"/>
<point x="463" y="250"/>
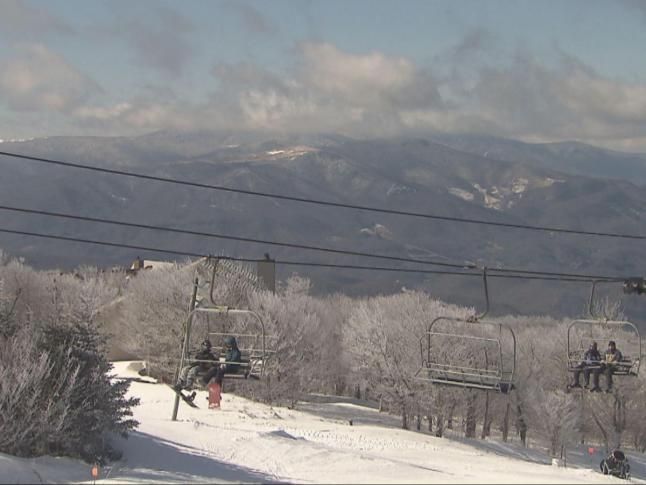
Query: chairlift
<point x="471" y="353"/>
<point x="253" y="343"/>
<point x="582" y="332"/>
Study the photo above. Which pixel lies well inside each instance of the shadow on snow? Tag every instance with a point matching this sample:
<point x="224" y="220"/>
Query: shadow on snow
<point x="150" y="458"/>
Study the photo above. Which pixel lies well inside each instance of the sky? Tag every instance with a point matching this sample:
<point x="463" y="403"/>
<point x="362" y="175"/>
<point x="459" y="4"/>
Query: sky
<point x="537" y="71"/>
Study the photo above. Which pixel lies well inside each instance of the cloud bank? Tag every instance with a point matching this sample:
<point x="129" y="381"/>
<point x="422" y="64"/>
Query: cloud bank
<point x="37" y="79"/>
<point x="328" y="89"/>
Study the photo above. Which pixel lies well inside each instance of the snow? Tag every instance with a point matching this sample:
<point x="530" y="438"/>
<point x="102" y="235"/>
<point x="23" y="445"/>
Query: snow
<point x="497" y="197"/>
<point x="519" y="185"/>
<point x="396" y="189"/>
<point x="326" y="440"/>
<point x="489" y="200"/>
<point x="17" y="140"/>
<point x="291" y="153"/>
<point x="378" y="230"/>
<point x="463" y="194"/>
<point x="549" y="181"/>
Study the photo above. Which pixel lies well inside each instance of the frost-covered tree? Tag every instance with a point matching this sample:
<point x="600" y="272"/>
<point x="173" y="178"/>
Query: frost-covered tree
<point x="56" y="394"/>
<point x="305" y="341"/>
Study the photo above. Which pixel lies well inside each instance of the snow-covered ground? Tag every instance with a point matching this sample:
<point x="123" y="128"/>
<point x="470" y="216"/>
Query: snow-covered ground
<point x="249" y="442"/>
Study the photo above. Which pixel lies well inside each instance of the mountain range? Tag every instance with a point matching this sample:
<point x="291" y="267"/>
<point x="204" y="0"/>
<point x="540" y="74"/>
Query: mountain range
<point x="568" y="185"/>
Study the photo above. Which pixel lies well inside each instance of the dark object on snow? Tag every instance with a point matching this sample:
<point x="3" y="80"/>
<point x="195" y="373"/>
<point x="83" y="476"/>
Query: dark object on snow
<point x="187" y="399"/>
<point x="615" y="464"/>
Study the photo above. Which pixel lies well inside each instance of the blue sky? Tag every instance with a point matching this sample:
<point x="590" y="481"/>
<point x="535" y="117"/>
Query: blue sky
<point x="531" y="70"/>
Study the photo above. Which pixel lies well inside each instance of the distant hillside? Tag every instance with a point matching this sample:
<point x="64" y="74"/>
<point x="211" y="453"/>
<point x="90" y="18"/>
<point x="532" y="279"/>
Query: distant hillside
<point x="407" y="174"/>
<point x="568" y="157"/>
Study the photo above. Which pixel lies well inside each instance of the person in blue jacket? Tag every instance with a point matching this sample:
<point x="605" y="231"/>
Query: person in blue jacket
<point x="232" y="355"/>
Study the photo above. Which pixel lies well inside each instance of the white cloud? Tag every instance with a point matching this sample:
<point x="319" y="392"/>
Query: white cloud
<point x="135" y="116"/>
<point x="370" y="80"/>
<point x="368" y="94"/>
<point x="569" y="101"/>
<point x="103" y="113"/>
<point x="328" y="90"/>
<point x="337" y="72"/>
<point x="39" y="79"/>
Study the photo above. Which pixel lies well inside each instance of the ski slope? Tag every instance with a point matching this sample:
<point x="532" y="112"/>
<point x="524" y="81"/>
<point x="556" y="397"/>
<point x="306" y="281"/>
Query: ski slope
<point x="247" y="442"/>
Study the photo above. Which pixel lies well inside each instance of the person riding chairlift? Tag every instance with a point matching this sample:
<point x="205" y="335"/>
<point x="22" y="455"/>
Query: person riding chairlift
<point x="204" y="362"/>
<point x="591" y="363"/>
<point x="229" y="366"/>
<point x="609" y="365"/>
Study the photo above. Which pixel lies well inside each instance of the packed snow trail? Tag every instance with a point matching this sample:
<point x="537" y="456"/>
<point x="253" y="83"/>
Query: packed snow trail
<point x="247" y="442"/>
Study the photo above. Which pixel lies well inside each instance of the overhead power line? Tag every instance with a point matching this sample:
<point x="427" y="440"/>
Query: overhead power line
<point x="234" y="238"/>
<point x="298" y="246"/>
<point x="324" y="203"/>
<point x="511" y="275"/>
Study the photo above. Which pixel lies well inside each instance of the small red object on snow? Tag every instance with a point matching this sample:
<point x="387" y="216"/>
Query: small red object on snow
<point x="215" y="395"/>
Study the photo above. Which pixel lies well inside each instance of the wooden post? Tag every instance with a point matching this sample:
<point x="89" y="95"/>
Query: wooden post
<point x="185" y="344"/>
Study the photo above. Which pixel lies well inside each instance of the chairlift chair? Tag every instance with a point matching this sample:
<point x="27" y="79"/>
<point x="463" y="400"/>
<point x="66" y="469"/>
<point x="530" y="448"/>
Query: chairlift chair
<point x="253" y="345"/>
<point x="601" y="329"/>
<point x="488" y="359"/>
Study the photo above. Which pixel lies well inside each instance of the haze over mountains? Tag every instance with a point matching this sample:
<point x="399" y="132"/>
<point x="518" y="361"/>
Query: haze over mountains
<point x="567" y="185"/>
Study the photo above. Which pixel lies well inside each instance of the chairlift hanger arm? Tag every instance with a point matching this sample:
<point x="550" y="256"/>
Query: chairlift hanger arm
<point x="477" y="317"/>
<point x="591" y="311"/>
<point x="215" y="267"/>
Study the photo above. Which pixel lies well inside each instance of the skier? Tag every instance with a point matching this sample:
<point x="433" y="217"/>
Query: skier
<point x="231" y="355"/>
<point x="202" y="364"/>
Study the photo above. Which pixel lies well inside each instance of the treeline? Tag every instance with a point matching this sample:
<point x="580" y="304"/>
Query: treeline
<point x="363" y="347"/>
<point x="370" y="348"/>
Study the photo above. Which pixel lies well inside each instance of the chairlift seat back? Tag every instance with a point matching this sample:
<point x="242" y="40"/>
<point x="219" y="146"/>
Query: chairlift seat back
<point x="484" y="357"/>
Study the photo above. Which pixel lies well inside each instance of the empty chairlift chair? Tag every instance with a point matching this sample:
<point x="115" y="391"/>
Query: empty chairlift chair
<point x="469" y="352"/>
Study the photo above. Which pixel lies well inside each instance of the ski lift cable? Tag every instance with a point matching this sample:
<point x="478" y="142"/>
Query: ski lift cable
<point x="307" y="247"/>
<point x="578" y="279"/>
<point x="232" y="238"/>
<point x="321" y="202"/>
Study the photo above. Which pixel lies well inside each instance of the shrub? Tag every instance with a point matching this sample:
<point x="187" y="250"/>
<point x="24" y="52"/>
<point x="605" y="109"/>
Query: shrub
<point x="56" y="394"/>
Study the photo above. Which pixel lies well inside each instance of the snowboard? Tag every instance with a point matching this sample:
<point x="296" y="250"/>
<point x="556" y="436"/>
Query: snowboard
<point x="215" y="395"/>
<point x="184" y="397"/>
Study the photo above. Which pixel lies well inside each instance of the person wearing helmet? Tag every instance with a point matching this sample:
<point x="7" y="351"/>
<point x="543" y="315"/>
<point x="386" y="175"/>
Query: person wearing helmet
<point x="203" y="361"/>
<point x="230" y="365"/>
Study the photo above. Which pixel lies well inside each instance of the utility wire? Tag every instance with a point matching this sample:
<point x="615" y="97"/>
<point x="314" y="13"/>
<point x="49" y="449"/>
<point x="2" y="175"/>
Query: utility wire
<point x="233" y="238"/>
<point x="299" y="246"/>
<point x="451" y="273"/>
<point x="324" y="203"/>
<point x="565" y="278"/>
